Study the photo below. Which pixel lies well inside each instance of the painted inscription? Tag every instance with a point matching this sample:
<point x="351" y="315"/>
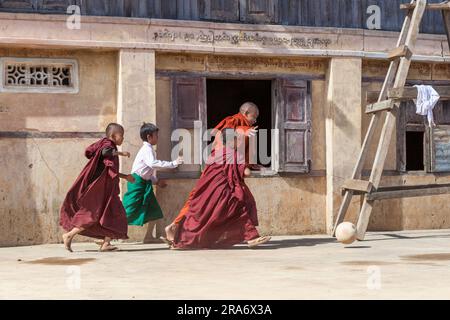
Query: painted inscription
<point x="250" y="38"/>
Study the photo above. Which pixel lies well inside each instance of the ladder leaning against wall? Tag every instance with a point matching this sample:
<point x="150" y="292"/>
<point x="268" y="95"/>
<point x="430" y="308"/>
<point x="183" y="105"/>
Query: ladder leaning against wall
<point x="392" y="94"/>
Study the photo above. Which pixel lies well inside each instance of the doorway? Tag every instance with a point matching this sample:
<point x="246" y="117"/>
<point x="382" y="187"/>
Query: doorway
<point x="224" y="97"/>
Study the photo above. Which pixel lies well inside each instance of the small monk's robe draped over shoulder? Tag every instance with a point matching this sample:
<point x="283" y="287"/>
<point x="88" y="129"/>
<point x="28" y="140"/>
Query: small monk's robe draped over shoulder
<point x="93" y="202"/>
<point x="222" y="211"/>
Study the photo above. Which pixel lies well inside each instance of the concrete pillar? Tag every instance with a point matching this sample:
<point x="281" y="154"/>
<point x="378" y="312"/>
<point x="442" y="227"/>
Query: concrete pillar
<point x="136" y="103"/>
<point x="343" y="131"/>
<point x="136" y="97"/>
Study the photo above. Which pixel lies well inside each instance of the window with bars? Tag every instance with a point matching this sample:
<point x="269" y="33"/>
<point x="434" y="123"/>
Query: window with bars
<point x="419" y="146"/>
<point x="38" y="75"/>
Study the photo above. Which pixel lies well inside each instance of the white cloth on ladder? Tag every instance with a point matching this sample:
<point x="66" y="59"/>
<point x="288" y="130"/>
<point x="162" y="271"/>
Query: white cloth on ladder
<point x="427" y="98"/>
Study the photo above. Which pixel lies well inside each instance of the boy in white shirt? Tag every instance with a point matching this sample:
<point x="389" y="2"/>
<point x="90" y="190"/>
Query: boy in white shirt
<point x="139" y="201"/>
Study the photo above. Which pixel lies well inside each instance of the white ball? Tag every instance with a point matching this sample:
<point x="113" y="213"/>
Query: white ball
<point x="346" y="233"/>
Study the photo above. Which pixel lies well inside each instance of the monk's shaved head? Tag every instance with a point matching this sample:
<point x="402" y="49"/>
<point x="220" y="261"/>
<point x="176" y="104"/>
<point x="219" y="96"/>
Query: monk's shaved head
<point x="249" y="107"/>
<point x="250" y="111"/>
<point x="113" y="128"/>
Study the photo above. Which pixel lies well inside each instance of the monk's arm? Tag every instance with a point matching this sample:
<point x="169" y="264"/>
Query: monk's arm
<point x="121" y="153"/>
<point x="247" y="131"/>
<point x="127" y="177"/>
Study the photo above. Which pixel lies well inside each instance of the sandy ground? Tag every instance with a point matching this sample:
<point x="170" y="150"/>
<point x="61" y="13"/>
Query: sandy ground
<point x="403" y="265"/>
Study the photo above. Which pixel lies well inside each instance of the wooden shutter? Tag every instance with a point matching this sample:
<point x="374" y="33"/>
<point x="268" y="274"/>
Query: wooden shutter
<point x="219" y="10"/>
<point x="103" y="8"/>
<point x="151" y="9"/>
<point x="259" y="11"/>
<point x="189" y="101"/>
<point x="439" y="148"/>
<point x="438" y="139"/>
<point x="293" y="100"/>
<point x="18" y="5"/>
<point x="55" y="6"/>
<point x="446" y="17"/>
<point x="187" y="9"/>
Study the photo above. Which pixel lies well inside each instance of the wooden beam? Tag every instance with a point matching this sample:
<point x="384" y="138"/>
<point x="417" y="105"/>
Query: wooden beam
<point x="446" y="17"/>
<point x="408" y="93"/>
<point x="445" y="5"/>
<point x="362" y="186"/>
<point x="399" y="52"/>
<point x="408" y="192"/>
<point x="380" y="106"/>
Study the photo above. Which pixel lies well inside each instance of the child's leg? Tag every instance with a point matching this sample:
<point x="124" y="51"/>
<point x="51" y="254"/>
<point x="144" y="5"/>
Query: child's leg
<point x="171" y="229"/>
<point x="149" y="238"/>
<point x="68" y="237"/>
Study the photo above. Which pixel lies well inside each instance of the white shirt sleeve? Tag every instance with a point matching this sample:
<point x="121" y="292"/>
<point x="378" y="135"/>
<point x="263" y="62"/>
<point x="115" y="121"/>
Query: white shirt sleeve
<point x="152" y="162"/>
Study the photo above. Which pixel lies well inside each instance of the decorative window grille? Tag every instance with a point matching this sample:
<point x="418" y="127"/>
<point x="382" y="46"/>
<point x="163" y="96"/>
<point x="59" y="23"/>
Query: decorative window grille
<point x="38" y="75"/>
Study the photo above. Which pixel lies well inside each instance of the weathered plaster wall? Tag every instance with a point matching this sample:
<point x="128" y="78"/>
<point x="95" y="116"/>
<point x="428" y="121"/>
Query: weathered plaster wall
<point x="36" y="175"/>
<point x="37" y="172"/>
<point x="285" y="205"/>
<point x="89" y="111"/>
<point x="343" y="130"/>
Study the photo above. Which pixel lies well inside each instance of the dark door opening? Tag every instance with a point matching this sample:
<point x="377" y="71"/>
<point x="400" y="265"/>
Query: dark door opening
<point x="414" y="151"/>
<point x="224" y="97"/>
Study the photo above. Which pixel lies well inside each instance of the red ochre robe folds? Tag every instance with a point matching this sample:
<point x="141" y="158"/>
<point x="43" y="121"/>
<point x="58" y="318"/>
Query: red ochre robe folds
<point x="222" y="211"/>
<point x="235" y="122"/>
<point x="93" y="202"/>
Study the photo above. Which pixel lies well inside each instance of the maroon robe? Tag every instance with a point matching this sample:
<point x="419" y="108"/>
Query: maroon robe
<point x="93" y="202"/>
<point x="222" y="211"/>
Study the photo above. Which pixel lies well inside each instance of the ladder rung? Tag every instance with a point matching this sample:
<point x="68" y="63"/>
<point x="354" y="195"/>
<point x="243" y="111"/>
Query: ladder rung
<point x="431" y="6"/>
<point x="402" y="51"/>
<point x="362" y="186"/>
<point x="380" y="106"/>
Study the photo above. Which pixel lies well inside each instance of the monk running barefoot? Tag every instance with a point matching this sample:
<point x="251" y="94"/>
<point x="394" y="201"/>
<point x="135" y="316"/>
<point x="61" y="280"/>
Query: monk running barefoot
<point x="222" y="212"/>
<point x="92" y="206"/>
<point x="243" y="121"/>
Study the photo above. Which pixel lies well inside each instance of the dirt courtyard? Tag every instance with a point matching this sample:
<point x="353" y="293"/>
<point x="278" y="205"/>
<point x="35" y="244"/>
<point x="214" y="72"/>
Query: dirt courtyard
<point x="388" y="265"/>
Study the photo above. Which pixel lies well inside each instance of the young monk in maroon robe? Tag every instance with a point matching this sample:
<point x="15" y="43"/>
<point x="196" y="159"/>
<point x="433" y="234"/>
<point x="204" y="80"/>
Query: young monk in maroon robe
<point x="243" y="122"/>
<point x="92" y="206"/>
<point x="222" y="212"/>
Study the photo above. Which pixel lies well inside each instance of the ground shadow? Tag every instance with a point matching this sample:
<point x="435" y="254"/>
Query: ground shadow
<point x="403" y="237"/>
<point x="132" y="250"/>
<point x="289" y="243"/>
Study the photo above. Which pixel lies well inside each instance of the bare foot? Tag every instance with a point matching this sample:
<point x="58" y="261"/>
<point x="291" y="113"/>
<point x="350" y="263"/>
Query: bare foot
<point x="258" y="241"/>
<point x="166" y="241"/>
<point x="172" y="247"/>
<point x="67" y="242"/>
<point x="99" y="242"/>
<point x="170" y="231"/>
<point x="107" y="247"/>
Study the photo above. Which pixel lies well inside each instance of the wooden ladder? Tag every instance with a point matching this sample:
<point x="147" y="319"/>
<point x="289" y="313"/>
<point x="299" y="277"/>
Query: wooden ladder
<point x="391" y="95"/>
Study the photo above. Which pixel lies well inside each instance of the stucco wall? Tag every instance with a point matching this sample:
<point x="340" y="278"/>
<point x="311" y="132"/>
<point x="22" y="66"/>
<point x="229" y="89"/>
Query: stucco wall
<point x="37" y="172"/>
<point x="40" y="170"/>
